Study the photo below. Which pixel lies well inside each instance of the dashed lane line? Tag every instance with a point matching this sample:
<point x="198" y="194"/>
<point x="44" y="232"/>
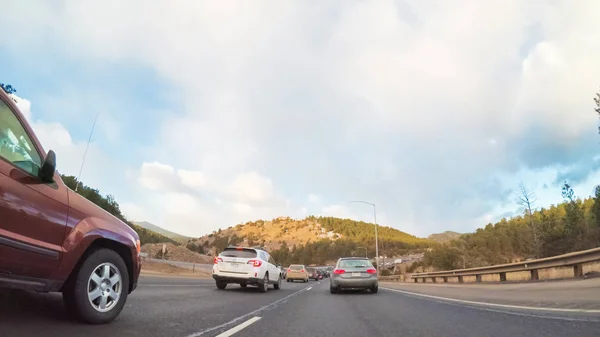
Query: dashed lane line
<point x="239" y="328"/>
<point x="252" y="313"/>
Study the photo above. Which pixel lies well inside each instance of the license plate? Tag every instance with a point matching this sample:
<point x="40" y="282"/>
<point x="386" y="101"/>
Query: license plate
<point x="355" y="274"/>
<point x="234" y="265"/>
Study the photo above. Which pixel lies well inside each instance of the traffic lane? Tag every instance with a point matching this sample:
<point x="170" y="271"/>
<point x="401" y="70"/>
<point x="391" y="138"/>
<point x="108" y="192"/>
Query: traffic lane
<point x="159" y="307"/>
<point x="571" y="294"/>
<point x="319" y="313"/>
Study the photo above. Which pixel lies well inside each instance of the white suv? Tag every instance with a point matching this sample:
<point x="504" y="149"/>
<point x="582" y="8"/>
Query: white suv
<point x="246" y="266"/>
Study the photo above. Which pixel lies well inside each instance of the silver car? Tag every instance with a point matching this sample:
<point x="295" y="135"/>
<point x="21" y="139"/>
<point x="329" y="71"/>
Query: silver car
<point x="353" y="273"/>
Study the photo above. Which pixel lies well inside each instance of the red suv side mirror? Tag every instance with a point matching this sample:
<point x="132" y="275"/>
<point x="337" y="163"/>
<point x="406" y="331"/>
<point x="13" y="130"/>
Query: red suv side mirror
<point x="48" y="167"/>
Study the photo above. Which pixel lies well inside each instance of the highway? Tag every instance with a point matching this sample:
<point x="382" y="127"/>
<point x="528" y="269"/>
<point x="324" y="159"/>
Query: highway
<point x="189" y="307"/>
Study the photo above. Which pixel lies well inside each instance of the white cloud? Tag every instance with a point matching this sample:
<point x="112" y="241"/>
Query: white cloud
<point x="244" y="188"/>
<point x="24" y="106"/>
<point x="133" y="212"/>
<point x="251" y="187"/>
<point x="157" y="176"/>
<point x="193" y="179"/>
<point x="339" y="211"/>
<point x="421" y="107"/>
<point x="313" y="198"/>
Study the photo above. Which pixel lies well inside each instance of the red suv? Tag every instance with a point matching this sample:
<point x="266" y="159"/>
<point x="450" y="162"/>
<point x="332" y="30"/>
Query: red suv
<point x="53" y="239"/>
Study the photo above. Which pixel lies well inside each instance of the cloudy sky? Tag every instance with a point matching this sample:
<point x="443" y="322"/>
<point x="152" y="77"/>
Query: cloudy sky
<point x="213" y="113"/>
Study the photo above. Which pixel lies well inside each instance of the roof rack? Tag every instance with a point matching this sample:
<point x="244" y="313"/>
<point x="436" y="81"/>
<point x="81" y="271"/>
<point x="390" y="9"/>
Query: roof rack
<point x="255" y="247"/>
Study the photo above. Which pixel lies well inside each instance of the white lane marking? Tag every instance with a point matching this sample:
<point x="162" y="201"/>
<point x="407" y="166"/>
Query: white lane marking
<point x="239" y="328"/>
<point x="175" y="285"/>
<point x="252" y="313"/>
<point x="496" y="305"/>
<point x="309" y="288"/>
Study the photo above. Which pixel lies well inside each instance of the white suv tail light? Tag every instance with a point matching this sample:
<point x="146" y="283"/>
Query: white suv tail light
<point x="255" y="263"/>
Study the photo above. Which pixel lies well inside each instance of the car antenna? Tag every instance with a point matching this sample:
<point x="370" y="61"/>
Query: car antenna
<point x="86" y="150"/>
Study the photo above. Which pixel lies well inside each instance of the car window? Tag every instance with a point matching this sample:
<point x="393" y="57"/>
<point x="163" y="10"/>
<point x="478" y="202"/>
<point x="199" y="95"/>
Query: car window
<point x="355" y="264"/>
<point x="15" y="144"/>
<point x="296" y="267"/>
<point x="242" y="253"/>
<point x="271" y="261"/>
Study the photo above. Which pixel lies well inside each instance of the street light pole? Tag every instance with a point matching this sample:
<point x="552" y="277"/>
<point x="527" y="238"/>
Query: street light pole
<point x="376" y="238"/>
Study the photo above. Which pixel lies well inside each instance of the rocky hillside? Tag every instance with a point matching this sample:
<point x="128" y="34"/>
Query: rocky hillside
<point x="272" y="234"/>
<point x="446" y="236"/>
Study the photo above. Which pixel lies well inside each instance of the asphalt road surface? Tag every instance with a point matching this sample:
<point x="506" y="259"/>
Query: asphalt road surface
<point x="181" y="307"/>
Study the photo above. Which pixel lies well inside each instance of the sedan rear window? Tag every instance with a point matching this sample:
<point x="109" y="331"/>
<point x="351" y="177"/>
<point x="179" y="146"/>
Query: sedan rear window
<point x="355" y="264"/>
<point x="296" y="267"/>
<point x="242" y="253"/>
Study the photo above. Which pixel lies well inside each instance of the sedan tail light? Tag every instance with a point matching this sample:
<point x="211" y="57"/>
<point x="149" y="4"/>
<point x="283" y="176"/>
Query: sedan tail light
<point x="302" y="271"/>
<point x="339" y="271"/>
<point x="218" y="259"/>
<point x="372" y="271"/>
<point x="255" y="263"/>
<point x="289" y="270"/>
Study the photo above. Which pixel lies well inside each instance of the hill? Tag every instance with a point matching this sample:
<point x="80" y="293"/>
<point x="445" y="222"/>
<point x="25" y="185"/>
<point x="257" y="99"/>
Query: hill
<point x="109" y="204"/>
<point x="567" y="227"/>
<point x="154" y="228"/>
<point x="446" y="236"/>
<point x="175" y="253"/>
<point x="314" y="239"/>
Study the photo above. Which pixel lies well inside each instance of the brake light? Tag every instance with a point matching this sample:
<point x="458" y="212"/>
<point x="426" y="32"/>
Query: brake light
<point x="339" y="271"/>
<point x="239" y="248"/>
<point x="289" y="270"/>
<point x="302" y="271"/>
<point x="138" y="247"/>
<point x="372" y="271"/>
<point x="255" y="263"/>
<point x="218" y="259"/>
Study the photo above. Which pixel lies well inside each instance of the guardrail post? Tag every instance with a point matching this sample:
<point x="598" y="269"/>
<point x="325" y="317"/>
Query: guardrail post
<point x="477" y="278"/>
<point x="534" y="275"/>
<point x="578" y="270"/>
<point x="445" y="278"/>
<point x="434" y="279"/>
<point x="502" y="277"/>
<point x="460" y="279"/>
<point x="416" y="280"/>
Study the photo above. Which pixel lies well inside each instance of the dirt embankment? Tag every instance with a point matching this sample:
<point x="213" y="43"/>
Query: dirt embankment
<point x="175" y="253"/>
<point x="159" y="268"/>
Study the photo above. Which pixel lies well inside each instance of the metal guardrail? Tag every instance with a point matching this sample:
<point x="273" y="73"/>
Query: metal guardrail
<point x="575" y="260"/>
<point x="392" y="278"/>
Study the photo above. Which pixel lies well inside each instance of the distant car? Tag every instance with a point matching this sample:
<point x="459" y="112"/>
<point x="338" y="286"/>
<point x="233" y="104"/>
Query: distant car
<point x="312" y="273"/>
<point x="246" y="266"/>
<point x="297" y="272"/>
<point x="53" y="239"/>
<point x="353" y="273"/>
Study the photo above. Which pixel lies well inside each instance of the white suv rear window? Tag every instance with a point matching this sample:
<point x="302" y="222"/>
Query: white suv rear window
<point x="241" y="253"/>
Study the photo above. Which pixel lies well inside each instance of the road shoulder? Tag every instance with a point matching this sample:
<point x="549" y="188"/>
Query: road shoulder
<point x="575" y="294"/>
